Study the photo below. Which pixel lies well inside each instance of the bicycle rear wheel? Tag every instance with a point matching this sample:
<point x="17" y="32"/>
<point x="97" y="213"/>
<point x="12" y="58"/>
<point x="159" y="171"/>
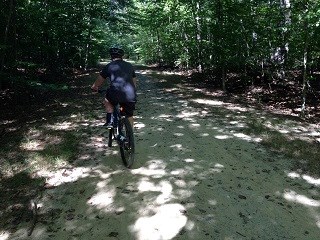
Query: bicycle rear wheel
<point x="110" y="138"/>
<point x="127" y="143"/>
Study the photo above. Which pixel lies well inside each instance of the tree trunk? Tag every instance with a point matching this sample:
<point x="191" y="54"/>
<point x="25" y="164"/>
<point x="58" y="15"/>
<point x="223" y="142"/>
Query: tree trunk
<point x="90" y="29"/>
<point x="12" y="5"/>
<point x="283" y="50"/>
<point x="158" y="48"/>
<point x="198" y="36"/>
<point x="305" y="64"/>
<point x="221" y="55"/>
<point x="224" y="77"/>
<point x="9" y="28"/>
<point x="186" y="47"/>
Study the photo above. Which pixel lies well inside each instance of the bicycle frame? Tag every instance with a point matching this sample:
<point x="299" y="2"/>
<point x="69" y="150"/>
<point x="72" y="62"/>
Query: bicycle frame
<point x="122" y="132"/>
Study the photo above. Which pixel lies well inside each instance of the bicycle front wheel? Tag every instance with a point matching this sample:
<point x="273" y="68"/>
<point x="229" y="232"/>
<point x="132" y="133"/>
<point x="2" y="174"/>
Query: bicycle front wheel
<point x="126" y="143"/>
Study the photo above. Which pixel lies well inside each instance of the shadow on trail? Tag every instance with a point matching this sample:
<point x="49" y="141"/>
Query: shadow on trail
<point x="198" y="175"/>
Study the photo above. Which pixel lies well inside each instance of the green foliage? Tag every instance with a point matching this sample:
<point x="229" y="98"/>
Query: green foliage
<point x="60" y="33"/>
<point x="223" y="34"/>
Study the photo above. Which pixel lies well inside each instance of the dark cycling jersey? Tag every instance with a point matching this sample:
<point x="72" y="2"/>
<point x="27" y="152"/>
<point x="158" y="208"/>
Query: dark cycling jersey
<point x="121" y="74"/>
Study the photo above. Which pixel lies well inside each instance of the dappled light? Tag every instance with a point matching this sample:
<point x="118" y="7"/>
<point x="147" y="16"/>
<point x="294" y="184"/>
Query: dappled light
<point x="226" y="125"/>
<point x="200" y="173"/>
<point x="301" y="199"/>
<point x="103" y="198"/>
<point x="222" y="137"/>
<point x="62" y="126"/>
<point x="209" y="102"/>
<point x="308" y="179"/>
<point x="165" y="222"/>
<point x="63" y="176"/>
<point x="246" y="137"/>
<point x="156" y="173"/>
<point x="4" y="235"/>
<point x="139" y="125"/>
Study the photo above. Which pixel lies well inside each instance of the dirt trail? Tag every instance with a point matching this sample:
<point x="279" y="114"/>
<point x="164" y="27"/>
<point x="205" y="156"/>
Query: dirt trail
<point x="196" y="176"/>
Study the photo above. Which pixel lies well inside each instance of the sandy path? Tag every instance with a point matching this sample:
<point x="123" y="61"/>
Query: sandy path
<point x="196" y="177"/>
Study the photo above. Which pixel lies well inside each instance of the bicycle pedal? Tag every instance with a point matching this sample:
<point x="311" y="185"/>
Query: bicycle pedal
<point x="121" y="138"/>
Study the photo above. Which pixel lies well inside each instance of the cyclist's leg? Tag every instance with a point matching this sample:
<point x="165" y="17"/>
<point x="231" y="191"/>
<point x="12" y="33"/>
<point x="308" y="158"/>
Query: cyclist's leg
<point x="109" y="112"/>
<point x="109" y="106"/>
<point x="129" y="108"/>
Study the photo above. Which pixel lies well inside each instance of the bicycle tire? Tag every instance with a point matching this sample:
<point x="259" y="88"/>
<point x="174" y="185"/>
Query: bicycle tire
<point x="127" y="148"/>
<point x="110" y="138"/>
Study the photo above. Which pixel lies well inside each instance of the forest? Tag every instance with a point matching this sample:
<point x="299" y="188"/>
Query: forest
<point x="226" y="128"/>
<point x="233" y="45"/>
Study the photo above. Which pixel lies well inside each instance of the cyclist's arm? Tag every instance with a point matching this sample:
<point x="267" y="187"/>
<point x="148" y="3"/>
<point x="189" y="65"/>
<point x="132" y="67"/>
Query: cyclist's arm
<point x="100" y="80"/>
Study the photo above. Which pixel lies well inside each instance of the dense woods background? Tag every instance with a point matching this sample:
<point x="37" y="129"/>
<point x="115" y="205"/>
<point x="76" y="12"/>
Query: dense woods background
<point x="231" y="44"/>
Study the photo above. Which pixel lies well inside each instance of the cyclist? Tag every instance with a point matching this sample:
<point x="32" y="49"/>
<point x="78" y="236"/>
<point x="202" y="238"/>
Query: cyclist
<point x="122" y="85"/>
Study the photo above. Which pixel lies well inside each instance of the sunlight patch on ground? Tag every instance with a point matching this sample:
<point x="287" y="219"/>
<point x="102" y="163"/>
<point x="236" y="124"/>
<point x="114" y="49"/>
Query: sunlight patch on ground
<point x="187" y="114"/>
<point x="139" y="125"/>
<point x="178" y="134"/>
<point x="316" y="216"/>
<point x="180" y="183"/>
<point x="183" y="193"/>
<point x="212" y="202"/>
<point x="292" y="196"/>
<point x="179" y="147"/>
<point x="155" y="169"/>
<point x="164" y="187"/>
<point x="237" y="108"/>
<point x="164" y="224"/>
<point x="103" y="199"/>
<point x="62" y="126"/>
<point x="4" y="235"/>
<point x="169" y="90"/>
<point x="178" y="172"/>
<point x="314" y="133"/>
<point x="209" y="102"/>
<point x="204" y="134"/>
<point x="247" y="137"/>
<point x="64" y="175"/>
<point x="32" y="145"/>
<point x="218" y="168"/>
<point x="35" y="140"/>
<point x="5" y="122"/>
<point x="189" y="160"/>
<point x="301" y="131"/>
<point x="309" y="179"/>
<point x="222" y="137"/>
<point x="194" y="126"/>
<point x="238" y="124"/>
<point x="163" y="116"/>
<point x="98" y="143"/>
<point x="149" y="172"/>
<point x="228" y="106"/>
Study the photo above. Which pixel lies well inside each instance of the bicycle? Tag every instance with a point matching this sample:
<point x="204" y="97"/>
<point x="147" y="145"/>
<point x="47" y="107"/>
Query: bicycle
<point x="122" y="133"/>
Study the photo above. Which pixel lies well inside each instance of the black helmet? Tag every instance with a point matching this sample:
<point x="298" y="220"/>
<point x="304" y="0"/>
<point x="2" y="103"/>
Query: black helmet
<point x="114" y="51"/>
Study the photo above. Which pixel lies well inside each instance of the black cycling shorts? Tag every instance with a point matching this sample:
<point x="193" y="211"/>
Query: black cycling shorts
<point x="115" y="98"/>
